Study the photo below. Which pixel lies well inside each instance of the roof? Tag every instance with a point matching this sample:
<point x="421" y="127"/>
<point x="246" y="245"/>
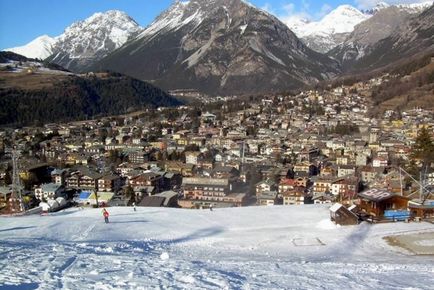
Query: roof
<point x="205" y="181"/>
<point x="376" y="194"/>
<point x="84" y="195"/>
<point x="336" y="207"/>
<point x="152" y="201"/>
<point x="50" y="187"/>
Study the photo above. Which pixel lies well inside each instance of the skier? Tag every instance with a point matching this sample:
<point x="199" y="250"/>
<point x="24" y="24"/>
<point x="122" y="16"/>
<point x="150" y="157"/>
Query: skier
<point x="134" y="205"/>
<point x="210" y="207"/>
<point x="106" y="214"/>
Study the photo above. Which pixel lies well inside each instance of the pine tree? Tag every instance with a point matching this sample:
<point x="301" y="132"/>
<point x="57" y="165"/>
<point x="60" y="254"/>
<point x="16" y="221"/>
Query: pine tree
<point x="423" y="149"/>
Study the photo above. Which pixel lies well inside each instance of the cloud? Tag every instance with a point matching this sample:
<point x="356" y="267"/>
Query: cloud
<point x="366" y="4"/>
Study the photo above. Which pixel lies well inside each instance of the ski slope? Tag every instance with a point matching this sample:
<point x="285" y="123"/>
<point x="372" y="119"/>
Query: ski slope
<point x="294" y="247"/>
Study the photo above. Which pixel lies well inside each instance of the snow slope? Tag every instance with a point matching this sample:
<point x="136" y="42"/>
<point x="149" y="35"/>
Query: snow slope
<point x="40" y="47"/>
<point x="331" y="30"/>
<point x="246" y="248"/>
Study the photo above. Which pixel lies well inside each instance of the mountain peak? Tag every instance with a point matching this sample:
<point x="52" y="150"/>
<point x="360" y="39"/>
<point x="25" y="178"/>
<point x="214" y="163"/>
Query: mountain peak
<point x="40" y="47"/>
<point x="91" y="39"/>
<point x="219" y="47"/>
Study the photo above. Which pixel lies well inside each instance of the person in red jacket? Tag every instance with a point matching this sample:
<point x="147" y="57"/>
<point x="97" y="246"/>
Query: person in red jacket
<point x="106" y="214"/>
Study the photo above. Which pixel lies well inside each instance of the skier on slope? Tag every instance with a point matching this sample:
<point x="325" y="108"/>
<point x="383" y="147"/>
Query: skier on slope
<point x="106" y="214"/>
<point x="134" y="205"/>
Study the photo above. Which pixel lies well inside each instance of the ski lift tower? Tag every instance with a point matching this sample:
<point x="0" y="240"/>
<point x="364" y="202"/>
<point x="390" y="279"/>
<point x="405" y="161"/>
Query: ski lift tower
<point x="16" y="202"/>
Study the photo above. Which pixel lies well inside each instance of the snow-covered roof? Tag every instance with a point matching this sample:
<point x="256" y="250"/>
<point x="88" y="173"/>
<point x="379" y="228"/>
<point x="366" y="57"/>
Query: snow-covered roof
<point x="335" y="207"/>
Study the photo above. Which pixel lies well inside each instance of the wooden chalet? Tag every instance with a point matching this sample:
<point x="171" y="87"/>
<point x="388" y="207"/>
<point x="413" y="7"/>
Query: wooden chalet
<point x="375" y="202"/>
<point x="342" y="215"/>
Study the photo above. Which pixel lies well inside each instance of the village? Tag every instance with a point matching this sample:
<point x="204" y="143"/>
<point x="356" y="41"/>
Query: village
<point x="314" y="147"/>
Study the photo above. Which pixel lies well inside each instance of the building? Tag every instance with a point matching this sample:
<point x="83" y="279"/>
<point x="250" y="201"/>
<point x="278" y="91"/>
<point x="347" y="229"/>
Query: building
<point x="48" y="191"/>
<point x="111" y="183"/>
<point x="343" y="216"/>
<point x="375" y="202"/>
<point x="202" y="192"/>
<point x="267" y="198"/>
<point x="293" y="197"/>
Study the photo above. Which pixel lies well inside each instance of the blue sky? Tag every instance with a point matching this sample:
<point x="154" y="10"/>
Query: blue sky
<point x="23" y="20"/>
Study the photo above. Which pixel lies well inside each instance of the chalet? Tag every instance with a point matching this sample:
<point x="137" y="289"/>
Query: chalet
<point x="163" y="199"/>
<point x="375" y="202"/>
<point x="286" y="184"/>
<point x="293" y="197"/>
<point x="267" y="198"/>
<point x="58" y="176"/>
<point x="48" y="191"/>
<point x="192" y="157"/>
<point x="110" y="183"/>
<point x="423" y="210"/>
<point x="148" y="179"/>
<point x="343" y="216"/>
<point x="225" y="172"/>
<point x="322" y="185"/>
<point x="266" y="185"/>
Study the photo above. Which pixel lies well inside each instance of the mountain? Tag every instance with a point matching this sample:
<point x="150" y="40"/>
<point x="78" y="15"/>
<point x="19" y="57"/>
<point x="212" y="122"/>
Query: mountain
<point x="86" y="42"/>
<point x="366" y="34"/>
<point x="32" y="92"/>
<point x="414" y="36"/>
<point x="330" y="31"/>
<point x="40" y="48"/>
<point x="219" y="47"/>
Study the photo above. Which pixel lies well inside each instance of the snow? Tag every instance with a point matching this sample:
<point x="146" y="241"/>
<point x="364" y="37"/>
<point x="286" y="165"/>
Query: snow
<point x="243" y="28"/>
<point x="341" y="20"/>
<point x="84" y="39"/>
<point x="240" y="248"/>
<point x="40" y="47"/>
<point x="173" y="19"/>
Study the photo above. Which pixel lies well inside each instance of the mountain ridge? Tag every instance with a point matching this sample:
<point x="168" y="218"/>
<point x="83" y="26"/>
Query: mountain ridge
<point x="219" y="47"/>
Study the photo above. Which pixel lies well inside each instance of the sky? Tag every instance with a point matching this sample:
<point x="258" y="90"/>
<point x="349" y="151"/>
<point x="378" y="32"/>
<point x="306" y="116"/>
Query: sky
<point x="21" y="21"/>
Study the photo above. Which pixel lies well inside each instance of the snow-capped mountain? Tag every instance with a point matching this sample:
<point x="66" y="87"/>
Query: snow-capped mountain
<point x="83" y="42"/>
<point x="413" y="8"/>
<point x="367" y="34"/>
<point x="219" y="46"/>
<point x="40" y="48"/>
<point x="87" y="41"/>
<point x="329" y="31"/>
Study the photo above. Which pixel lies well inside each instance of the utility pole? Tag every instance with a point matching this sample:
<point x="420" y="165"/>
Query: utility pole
<point x="16" y="201"/>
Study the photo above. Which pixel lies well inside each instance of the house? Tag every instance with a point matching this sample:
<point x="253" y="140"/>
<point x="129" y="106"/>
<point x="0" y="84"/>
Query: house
<point x="343" y="216"/>
<point x="379" y="162"/>
<point x="48" y="191"/>
<point x="166" y="199"/>
<point x="345" y="170"/>
<point x="225" y="172"/>
<point x="89" y="198"/>
<point x="293" y="197"/>
<point x="192" y="157"/>
<point x="266" y="185"/>
<point x="322" y="198"/>
<point x="322" y="185"/>
<point x="286" y="184"/>
<point x="369" y="174"/>
<point x="110" y="183"/>
<point x="148" y="179"/>
<point x="58" y="176"/>
<point x="424" y="210"/>
<point x="267" y="198"/>
<point x="375" y="202"/>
